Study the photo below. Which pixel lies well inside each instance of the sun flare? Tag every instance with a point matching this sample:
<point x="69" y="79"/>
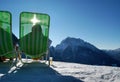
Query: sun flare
<point x="34" y="20"/>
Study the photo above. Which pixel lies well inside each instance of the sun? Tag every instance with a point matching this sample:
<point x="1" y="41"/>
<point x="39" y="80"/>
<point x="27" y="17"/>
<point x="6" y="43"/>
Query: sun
<point x="34" y="20"/>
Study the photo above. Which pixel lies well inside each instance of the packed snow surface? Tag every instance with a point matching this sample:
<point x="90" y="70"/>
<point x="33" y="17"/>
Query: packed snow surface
<point x="88" y="73"/>
<point x="38" y="71"/>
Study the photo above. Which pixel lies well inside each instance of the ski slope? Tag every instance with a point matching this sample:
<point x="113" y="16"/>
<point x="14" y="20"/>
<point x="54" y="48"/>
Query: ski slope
<point x="37" y="71"/>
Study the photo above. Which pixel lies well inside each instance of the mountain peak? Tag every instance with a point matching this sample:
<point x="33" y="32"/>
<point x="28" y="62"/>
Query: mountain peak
<point x="72" y="41"/>
<point x="77" y="42"/>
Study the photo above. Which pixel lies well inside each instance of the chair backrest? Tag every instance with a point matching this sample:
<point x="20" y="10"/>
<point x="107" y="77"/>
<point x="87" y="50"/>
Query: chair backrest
<point x="34" y="32"/>
<point x="6" y="43"/>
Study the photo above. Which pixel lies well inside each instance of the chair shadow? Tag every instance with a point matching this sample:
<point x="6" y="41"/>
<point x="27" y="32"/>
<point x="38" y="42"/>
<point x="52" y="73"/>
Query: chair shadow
<point x="36" y="72"/>
<point x="4" y="67"/>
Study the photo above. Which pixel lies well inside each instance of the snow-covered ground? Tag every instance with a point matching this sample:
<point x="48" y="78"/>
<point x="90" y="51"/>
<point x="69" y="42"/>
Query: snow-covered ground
<point x="88" y="73"/>
<point x="37" y="71"/>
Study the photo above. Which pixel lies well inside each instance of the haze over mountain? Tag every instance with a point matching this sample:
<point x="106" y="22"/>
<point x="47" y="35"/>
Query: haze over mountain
<point x="114" y="53"/>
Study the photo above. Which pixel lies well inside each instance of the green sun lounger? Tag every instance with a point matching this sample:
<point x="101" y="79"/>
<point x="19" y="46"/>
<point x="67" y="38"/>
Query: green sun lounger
<point x="34" y="32"/>
<point x="6" y="43"/>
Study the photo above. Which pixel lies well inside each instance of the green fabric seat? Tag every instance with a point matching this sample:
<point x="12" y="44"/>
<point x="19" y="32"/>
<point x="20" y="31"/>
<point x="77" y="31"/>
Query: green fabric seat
<point x="6" y="43"/>
<point x="34" y="32"/>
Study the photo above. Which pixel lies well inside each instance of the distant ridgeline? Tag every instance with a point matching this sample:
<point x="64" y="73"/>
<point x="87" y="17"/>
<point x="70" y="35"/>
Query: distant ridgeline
<point x="79" y="51"/>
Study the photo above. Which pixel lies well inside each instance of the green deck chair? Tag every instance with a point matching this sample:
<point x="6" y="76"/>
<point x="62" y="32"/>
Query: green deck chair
<point x="6" y="43"/>
<point x="34" y="32"/>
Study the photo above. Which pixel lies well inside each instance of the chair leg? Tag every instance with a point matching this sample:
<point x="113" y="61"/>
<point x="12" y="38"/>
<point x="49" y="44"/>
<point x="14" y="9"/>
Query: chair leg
<point x="46" y="58"/>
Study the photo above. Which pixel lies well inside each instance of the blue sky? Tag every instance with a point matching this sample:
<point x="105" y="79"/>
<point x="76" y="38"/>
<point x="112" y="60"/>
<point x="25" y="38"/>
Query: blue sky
<point x="95" y="21"/>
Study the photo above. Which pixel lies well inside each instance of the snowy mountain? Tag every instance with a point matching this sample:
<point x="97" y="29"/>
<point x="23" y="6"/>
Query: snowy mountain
<point x="79" y="51"/>
<point x="73" y="42"/>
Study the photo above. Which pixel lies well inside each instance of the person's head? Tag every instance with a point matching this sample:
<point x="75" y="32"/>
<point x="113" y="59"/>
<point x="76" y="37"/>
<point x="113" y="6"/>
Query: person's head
<point x="36" y="28"/>
<point x="17" y="45"/>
